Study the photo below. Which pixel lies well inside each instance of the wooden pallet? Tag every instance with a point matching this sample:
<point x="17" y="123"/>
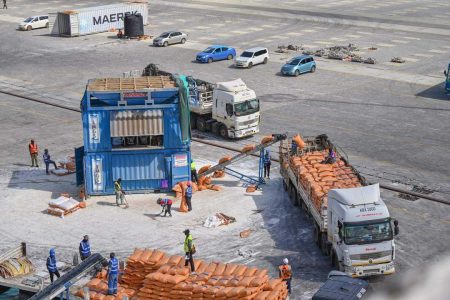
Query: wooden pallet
<point x="133" y="83"/>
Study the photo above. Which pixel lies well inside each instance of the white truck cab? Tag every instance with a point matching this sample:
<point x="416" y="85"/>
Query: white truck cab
<point x="236" y="107"/>
<point x="360" y="231"/>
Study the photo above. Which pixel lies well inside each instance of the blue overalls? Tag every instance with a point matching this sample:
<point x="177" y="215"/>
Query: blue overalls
<point x="85" y="249"/>
<point x="113" y="272"/>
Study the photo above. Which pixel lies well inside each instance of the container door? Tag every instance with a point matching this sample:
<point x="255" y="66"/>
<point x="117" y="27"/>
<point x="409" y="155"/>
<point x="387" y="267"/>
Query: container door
<point x="181" y="170"/>
<point x="79" y="166"/>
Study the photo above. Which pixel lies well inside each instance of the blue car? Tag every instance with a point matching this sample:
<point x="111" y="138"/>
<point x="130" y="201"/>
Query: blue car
<point x="299" y="64"/>
<point x="216" y="52"/>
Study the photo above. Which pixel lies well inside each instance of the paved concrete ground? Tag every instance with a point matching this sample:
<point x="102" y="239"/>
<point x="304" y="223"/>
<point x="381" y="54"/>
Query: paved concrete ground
<point x="392" y="120"/>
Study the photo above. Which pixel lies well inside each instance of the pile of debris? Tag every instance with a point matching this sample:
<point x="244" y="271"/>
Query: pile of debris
<point x="286" y="49"/>
<point x="218" y="219"/>
<point x="341" y="53"/>
<point x="64" y="205"/>
<point x="398" y="60"/>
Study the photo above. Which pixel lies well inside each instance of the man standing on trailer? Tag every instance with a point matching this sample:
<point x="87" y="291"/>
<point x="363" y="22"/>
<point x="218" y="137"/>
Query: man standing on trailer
<point x="48" y="161"/>
<point x="85" y="248"/>
<point x="33" y="148"/>
<point x="267" y="161"/>
<point x="285" y="273"/>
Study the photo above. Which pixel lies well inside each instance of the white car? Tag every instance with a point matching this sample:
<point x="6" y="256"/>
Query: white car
<point x="251" y="57"/>
<point x="34" y="23"/>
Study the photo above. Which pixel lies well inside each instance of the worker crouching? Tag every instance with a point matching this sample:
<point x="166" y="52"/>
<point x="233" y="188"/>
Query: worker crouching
<point x="166" y="206"/>
<point x="285" y="273"/>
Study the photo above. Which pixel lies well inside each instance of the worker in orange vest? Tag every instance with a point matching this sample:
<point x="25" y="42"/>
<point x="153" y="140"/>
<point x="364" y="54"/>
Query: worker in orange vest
<point x="285" y="273"/>
<point x="33" y="148"/>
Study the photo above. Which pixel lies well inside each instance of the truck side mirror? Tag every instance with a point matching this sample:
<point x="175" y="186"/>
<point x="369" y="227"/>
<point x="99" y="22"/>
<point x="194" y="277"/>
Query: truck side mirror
<point x="396" y="229"/>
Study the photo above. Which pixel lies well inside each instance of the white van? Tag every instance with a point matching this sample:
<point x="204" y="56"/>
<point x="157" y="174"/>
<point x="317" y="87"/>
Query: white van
<point x="251" y="57"/>
<point x="34" y="23"/>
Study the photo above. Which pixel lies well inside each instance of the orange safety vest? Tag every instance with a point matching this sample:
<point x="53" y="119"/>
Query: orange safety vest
<point x="33" y="148"/>
<point x="285" y="272"/>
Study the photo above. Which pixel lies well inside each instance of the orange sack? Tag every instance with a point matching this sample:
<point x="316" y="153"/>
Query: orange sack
<point x="267" y="139"/>
<point x="183" y="205"/>
<point x="224" y="159"/>
<point x="204" y="169"/>
<point x="248" y="148"/>
<point x="299" y="141"/>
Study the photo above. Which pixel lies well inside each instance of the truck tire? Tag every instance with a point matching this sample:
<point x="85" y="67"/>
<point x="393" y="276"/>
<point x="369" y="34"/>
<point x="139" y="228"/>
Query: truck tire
<point x="201" y="124"/>
<point x="215" y="127"/>
<point x="193" y="121"/>
<point x="223" y="131"/>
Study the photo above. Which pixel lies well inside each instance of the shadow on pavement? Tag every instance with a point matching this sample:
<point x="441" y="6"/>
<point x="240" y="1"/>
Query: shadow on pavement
<point x="436" y="92"/>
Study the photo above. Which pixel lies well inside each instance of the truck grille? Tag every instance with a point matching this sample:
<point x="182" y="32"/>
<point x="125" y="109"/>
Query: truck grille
<point x="367" y="256"/>
<point x="245" y="123"/>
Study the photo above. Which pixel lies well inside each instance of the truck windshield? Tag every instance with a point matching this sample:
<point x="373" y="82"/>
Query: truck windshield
<point x="247" y="107"/>
<point x="367" y="232"/>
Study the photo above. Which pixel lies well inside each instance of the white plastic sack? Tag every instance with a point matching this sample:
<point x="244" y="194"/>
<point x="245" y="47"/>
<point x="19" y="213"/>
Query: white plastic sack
<point x="57" y="201"/>
<point x="212" y="221"/>
<point x="69" y="204"/>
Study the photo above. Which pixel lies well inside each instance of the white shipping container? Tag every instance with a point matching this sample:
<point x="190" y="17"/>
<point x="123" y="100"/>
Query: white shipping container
<point x="94" y="19"/>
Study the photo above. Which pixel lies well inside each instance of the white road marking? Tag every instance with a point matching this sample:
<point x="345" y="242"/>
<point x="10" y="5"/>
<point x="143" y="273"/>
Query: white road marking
<point x="437" y="51"/>
<point x="400" y="41"/>
<point x="423" y="55"/>
<point x="410" y="59"/>
<point x="411" y="38"/>
<point x="324" y="42"/>
<point x="385" y="45"/>
<point x="309" y="30"/>
<point x="355" y="36"/>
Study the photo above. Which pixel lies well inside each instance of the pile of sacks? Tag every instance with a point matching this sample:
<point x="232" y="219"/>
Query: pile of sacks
<point x="63" y="205"/>
<point x="98" y="289"/>
<point x="318" y="178"/>
<point x="66" y="166"/>
<point x="213" y="280"/>
<point x="143" y="262"/>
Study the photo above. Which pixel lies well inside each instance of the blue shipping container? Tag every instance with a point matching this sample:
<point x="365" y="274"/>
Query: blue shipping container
<point x="134" y="135"/>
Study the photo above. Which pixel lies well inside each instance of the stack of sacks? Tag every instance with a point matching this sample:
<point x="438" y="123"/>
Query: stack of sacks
<point x="297" y="139"/>
<point x="267" y="139"/>
<point x="62" y="206"/>
<point x="221" y="173"/>
<point x="66" y="166"/>
<point x="180" y="193"/>
<point x="98" y="290"/>
<point x="158" y="285"/>
<point x="213" y="280"/>
<point x="318" y="178"/>
<point x="143" y="262"/>
<point x="248" y="148"/>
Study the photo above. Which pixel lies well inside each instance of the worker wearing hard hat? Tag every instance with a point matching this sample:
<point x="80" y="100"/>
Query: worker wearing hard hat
<point x="285" y="273"/>
<point x="189" y="250"/>
<point x="188" y="195"/>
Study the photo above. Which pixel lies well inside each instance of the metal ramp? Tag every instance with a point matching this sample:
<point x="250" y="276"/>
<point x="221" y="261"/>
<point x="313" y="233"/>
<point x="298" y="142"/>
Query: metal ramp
<point x="63" y="283"/>
<point x="259" y="148"/>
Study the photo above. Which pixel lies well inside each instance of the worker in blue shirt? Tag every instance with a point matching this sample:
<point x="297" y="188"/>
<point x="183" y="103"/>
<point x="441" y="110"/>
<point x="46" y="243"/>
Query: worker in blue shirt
<point x="48" y="161"/>
<point x="293" y="148"/>
<point x="267" y="161"/>
<point x="113" y="273"/>
<point x="85" y="248"/>
<point x="51" y="265"/>
<point x="188" y="195"/>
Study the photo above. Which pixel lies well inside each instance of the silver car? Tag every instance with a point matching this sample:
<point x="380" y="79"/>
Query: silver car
<point x="170" y="37"/>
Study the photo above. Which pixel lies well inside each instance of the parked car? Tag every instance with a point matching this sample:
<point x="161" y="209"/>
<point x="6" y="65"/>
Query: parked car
<point x="341" y="286"/>
<point x="251" y="57"/>
<point x="170" y="37"/>
<point x="216" y="52"/>
<point x="299" y="64"/>
<point x="34" y="23"/>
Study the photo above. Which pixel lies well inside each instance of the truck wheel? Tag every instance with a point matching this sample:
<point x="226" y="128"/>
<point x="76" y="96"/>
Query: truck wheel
<point x="193" y="121"/>
<point x="201" y="124"/>
<point x="223" y="131"/>
<point x="215" y="127"/>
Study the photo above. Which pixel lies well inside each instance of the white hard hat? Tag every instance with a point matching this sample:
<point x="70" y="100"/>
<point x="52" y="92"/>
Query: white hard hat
<point x="285" y="261"/>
